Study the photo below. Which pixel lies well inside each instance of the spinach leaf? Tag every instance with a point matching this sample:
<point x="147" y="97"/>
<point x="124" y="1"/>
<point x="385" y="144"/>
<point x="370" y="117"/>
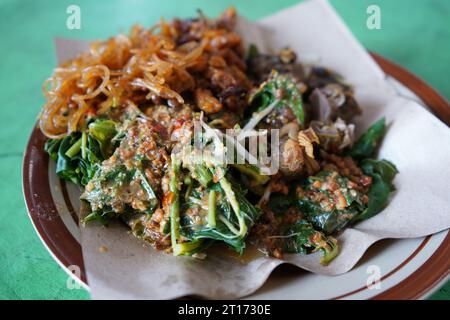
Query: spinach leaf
<point x="279" y="91"/>
<point x="382" y="173"/>
<point x="202" y="174"/>
<point x="78" y="155"/>
<point x="250" y="212"/>
<point x="52" y="147"/>
<point x="103" y="216"/>
<point x="253" y="172"/>
<point x="72" y="166"/>
<point x="320" y="206"/>
<point x="66" y="167"/>
<point x="330" y="220"/>
<point x="225" y="225"/>
<point x="301" y="237"/>
<point x="178" y="247"/>
<point x="103" y="131"/>
<point x="148" y="188"/>
<point x="367" y="144"/>
<point x="384" y="168"/>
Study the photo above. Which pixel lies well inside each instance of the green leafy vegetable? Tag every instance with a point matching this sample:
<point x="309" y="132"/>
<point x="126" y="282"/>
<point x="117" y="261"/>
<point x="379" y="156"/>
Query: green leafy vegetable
<point x="301" y="237"/>
<point x="103" y="216"/>
<point x="279" y="91"/>
<point x="78" y="155"/>
<point x="69" y="163"/>
<point x="323" y="213"/>
<point x="384" y="168"/>
<point x="253" y="172"/>
<point x="202" y="174"/>
<point x="382" y="173"/>
<point x="367" y="144"/>
<point x="221" y="223"/>
<point x="103" y="131"/>
<point x="320" y="206"/>
<point x="52" y="148"/>
<point x="148" y="188"/>
<point x="212" y="209"/>
<point x="74" y="149"/>
<point x="179" y="248"/>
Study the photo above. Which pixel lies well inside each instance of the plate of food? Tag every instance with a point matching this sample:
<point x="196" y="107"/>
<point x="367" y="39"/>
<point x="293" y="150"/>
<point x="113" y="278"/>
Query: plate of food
<point x="182" y="147"/>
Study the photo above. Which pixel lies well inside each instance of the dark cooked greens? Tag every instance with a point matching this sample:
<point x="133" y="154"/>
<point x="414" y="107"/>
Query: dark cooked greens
<point x="178" y="247"/>
<point x="103" y="216"/>
<point x="214" y="211"/>
<point x="278" y="92"/>
<point x="103" y="131"/>
<point x="368" y="143"/>
<point x="219" y="223"/>
<point x="301" y="237"/>
<point x="319" y="204"/>
<point x="78" y="154"/>
<point x="383" y="173"/>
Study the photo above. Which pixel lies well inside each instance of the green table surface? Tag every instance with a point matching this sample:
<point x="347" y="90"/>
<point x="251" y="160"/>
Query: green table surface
<point x="415" y="34"/>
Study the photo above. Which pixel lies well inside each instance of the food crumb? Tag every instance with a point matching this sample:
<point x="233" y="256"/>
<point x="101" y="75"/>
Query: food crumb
<point x="103" y="249"/>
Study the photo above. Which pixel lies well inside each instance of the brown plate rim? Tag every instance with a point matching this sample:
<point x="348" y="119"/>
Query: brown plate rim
<point x="67" y="251"/>
<point x="43" y="211"/>
<point x="437" y="267"/>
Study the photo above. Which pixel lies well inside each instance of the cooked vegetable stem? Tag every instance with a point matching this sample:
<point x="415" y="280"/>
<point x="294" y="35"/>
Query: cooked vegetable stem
<point x="183" y="248"/>
<point x="330" y="255"/>
<point x="226" y="186"/>
<point x="148" y="188"/>
<point x="229" y="225"/>
<point x="175" y="207"/>
<point x="84" y="145"/>
<point x="258" y="116"/>
<point x="74" y="149"/>
<point x="253" y="172"/>
<point x="212" y="209"/>
<point x="145" y="184"/>
<point x="203" y="174"/>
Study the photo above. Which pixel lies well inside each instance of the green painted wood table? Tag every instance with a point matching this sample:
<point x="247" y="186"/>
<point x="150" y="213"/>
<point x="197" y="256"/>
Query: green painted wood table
<point x="415" y="34"/>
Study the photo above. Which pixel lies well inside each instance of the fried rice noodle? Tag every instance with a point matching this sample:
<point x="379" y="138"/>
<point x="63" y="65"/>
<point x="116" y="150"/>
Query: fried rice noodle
<point x="153" y="64"/>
